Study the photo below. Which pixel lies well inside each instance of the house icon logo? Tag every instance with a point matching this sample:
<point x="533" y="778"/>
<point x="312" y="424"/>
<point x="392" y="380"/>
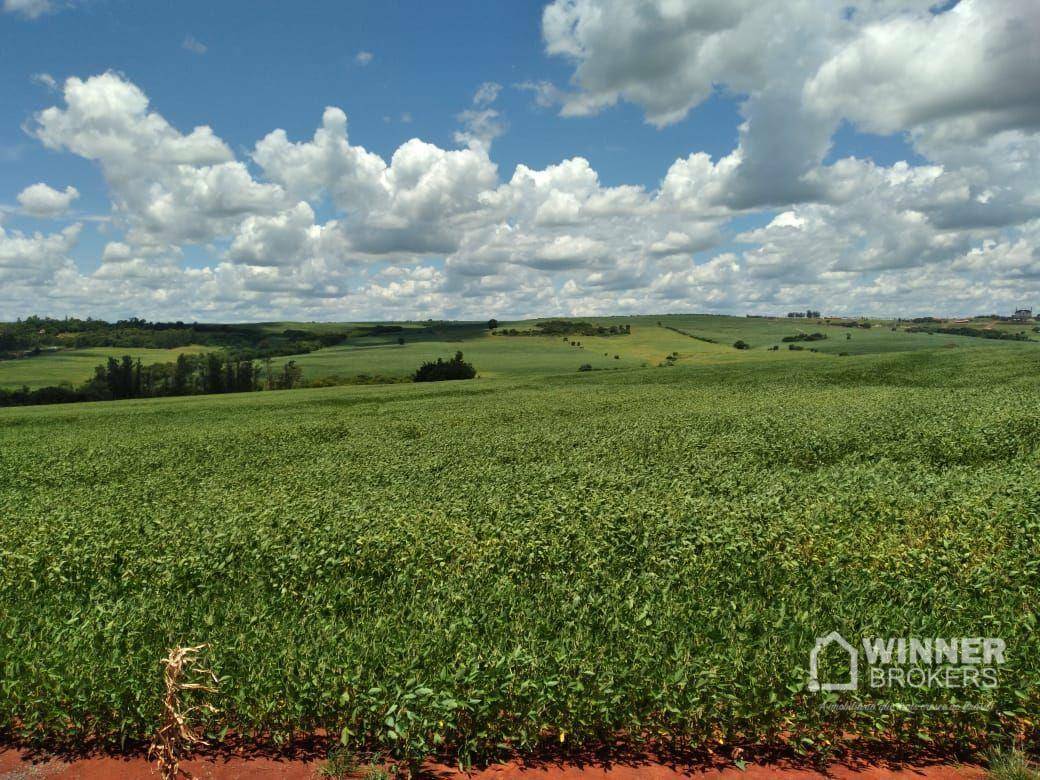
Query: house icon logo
<point x="822" y="643"/>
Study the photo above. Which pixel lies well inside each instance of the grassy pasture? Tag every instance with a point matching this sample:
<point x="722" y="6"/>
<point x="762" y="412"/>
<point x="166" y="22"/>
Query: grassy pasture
<point x="492" y="355"/>
<point x="475" y="567"/>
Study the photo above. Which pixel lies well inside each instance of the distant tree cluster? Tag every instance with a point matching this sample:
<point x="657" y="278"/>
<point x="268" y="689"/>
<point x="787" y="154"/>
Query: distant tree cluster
<point x="123" y="378"/>
<point x="443" y="370"/>
<point x="852" y="324"/>
<point x="190" y="374"/>
<point x="58" y="394"/>
<point x="978" y="333"/>
<point x="691" y="335"/>
<point x="566" y="328"/>
<point x="24" y="338"/>
<point x="805" y="337"/>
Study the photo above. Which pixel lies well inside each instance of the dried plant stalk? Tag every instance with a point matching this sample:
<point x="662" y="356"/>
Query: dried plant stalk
<point x="175" y="738"/>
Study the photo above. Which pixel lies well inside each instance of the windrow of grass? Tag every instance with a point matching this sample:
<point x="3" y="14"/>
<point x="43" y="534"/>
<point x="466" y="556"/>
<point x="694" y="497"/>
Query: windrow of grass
<point x="483" y="567"/>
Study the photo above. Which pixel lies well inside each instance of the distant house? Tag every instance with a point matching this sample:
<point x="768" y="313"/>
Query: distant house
<point x="1022" y="315"/>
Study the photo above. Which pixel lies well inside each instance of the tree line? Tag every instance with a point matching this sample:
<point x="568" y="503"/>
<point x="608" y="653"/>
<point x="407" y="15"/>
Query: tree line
<point x="190" y="375"/>
<point x="123" y="378"/>
<point x="209" y="373"/>
<point x="564" y="328"/>
<point x="978" y="333"/>
<point x="24" y="338"/>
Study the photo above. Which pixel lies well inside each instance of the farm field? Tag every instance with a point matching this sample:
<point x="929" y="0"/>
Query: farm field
<point x="77" y="365"/>
<point x="493" y="355"/>
<point x="552" y="390"/>
<point x="472" y="569"/>
<point x="652" y="339"/>
<point x="884" y="336"/>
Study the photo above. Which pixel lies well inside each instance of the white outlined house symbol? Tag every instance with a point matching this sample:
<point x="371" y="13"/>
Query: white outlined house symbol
<point x="823" y="642"/>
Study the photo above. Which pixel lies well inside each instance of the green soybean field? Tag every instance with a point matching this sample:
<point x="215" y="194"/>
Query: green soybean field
<point x="475" y="569"/>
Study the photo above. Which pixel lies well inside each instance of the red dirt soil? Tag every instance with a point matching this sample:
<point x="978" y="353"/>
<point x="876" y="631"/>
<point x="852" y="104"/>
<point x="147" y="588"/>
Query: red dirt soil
<point x="16" y="765"/>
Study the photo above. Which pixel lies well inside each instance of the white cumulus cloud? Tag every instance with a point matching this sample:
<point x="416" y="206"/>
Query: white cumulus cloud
<point x="42" y="200"/>
<point x="432" y="231"/>
<point x="30" y="9"/>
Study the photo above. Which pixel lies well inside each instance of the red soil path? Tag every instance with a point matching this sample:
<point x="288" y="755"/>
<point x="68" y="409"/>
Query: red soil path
<point x="15" y="765"/>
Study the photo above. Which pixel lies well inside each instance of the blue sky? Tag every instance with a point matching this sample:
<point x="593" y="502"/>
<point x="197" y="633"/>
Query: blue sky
<point x="629" y="93"/>
<point x="427" y="61"/>
<point x="309" y="60"/>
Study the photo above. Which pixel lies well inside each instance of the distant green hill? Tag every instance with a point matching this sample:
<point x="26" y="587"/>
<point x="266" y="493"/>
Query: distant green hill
<point x="374" y="349"/>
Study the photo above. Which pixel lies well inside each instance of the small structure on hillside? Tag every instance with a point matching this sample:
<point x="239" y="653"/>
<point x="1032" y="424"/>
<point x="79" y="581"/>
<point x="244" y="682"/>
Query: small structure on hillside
<point x="1022" y="315"/>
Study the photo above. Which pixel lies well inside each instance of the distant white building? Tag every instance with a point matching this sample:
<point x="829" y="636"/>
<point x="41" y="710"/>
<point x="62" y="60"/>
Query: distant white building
<point x="1022" y="315"/>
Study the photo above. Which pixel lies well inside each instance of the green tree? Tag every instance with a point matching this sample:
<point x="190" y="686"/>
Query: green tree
<point x="214" y="373"/>
<point x="181" y="375"/>
<point x="442" y="370"/>
<point x="291" y="375"/>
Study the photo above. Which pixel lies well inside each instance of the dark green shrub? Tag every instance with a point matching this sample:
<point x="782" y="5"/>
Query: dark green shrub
<point x="442" y="370"/>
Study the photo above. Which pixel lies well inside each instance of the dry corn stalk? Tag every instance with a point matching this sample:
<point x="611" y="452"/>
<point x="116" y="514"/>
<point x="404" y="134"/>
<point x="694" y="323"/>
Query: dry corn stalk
<point x="175" y="738"/>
